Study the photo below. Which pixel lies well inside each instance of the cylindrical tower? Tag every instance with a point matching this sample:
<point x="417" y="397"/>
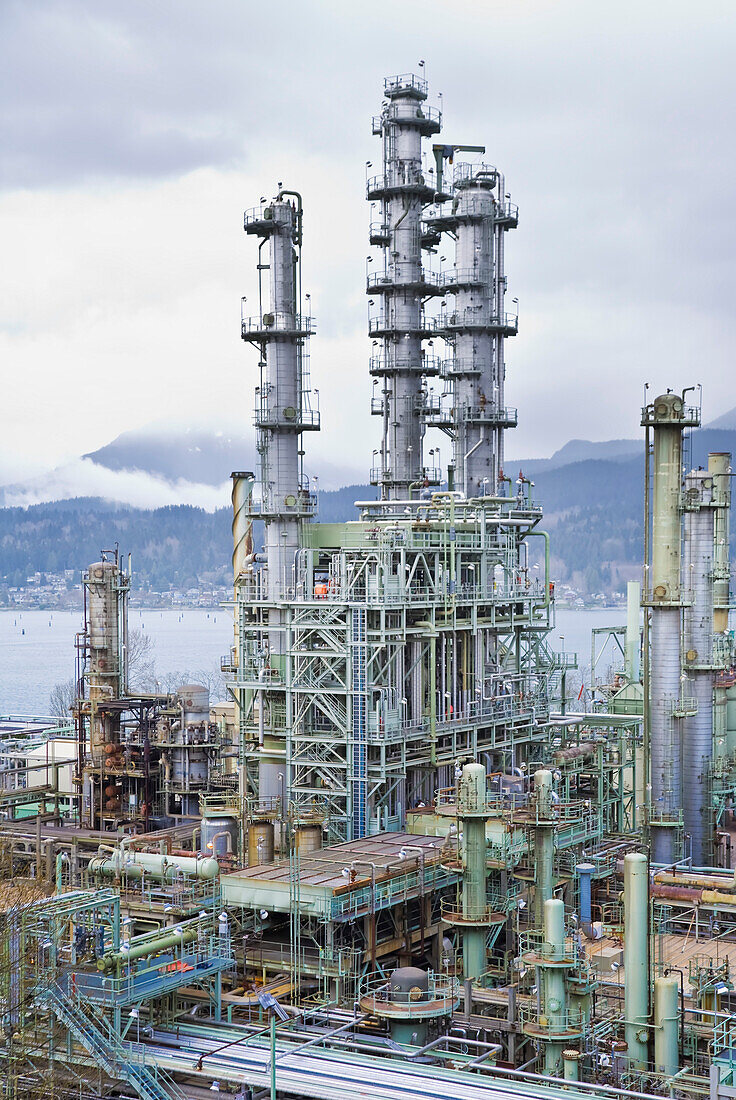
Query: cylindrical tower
<point x="544" y="843"/>
<point x="636" y="958"/>
<point x="282" y="407"/>
<point x="472" y="813"/>
<point x="698" y="663"/>
<point x="555" y="989"/>
<point x="403" y="190"/>
<point x="668" y="417"/>
<point x="283" y="412"/>
<point x="107" y="591"/>
<point x="719" y="468"/>
<point x="477" y="327"/>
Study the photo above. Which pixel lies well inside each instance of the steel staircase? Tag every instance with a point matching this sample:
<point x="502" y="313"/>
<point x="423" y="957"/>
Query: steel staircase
<point x="359" y="762"/>
<point x="119" y="1059"/>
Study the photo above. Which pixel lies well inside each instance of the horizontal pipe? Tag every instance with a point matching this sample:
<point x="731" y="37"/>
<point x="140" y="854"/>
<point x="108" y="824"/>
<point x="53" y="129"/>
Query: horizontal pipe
<point x="144" y="946"/>
<point x="157" y="866"/>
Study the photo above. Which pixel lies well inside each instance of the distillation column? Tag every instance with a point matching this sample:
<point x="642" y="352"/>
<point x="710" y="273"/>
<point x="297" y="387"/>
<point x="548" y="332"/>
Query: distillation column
<point x="698" y="633"/>
<point x="668" y="417"/>
<point x="402" y="191"/>
<point x="106" y="674"/>
<point x="478" y="327"/>
<point x="282" y="414"/>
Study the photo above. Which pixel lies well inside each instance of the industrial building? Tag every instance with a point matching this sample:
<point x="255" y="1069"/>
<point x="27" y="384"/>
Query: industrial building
<point x="407" y="866"/>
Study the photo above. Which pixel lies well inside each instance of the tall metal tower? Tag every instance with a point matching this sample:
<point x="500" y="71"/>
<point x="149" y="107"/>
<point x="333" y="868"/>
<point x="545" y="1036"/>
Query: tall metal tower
<point x="667" y="418"/>
<point x="478" y="325"/>
<point x="283" y="412"/>
<point x="404" y="189"/>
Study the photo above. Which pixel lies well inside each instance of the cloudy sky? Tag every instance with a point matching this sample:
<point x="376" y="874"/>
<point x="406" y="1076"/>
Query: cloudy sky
<point x="135" y="132"/>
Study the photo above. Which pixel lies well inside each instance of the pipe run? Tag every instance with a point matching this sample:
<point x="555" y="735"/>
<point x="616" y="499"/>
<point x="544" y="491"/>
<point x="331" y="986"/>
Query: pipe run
<point x="143" y="946"/>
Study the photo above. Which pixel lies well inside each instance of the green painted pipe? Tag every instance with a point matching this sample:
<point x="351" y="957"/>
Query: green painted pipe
<point x="666" y="1025"/>
<point x="636" y="958"/>
<point x="143" y="946"/>
<point x="431" y="632"/>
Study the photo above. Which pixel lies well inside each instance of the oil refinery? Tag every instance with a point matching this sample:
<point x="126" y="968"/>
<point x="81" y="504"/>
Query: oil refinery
<point x="399" y="862"/>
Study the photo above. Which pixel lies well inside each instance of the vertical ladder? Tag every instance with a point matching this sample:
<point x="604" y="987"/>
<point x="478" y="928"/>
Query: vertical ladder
<point x="359" y="763"/>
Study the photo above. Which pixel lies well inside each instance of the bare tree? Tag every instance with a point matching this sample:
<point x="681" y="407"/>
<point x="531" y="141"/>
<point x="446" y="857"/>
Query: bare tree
<point x="141" y="664"/>
<point x="61" y="699"/>
<point x="212" y="679"/>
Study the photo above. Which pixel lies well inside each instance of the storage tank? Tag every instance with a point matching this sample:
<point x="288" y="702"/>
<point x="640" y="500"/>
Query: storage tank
<point x="195" y="704"/>
<point x="308" y="838"/>
<point x="225" y="827"/>
<point x="409" y="986"/>
<point x="260" y="843"/>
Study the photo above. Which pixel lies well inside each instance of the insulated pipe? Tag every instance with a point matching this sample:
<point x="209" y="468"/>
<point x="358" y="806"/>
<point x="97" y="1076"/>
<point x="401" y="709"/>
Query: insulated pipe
<point x="666" y="1026"/>
<point x="704" y="882"/>
<point x="633" y="633"/>
<point x="242" y="524"/>
<point x="636" y="958"/>
<point x="143" y="946"/>
<point x="698" y="661"/>
<point x="719" y="468"/>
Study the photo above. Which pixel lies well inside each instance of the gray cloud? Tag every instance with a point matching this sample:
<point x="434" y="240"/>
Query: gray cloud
<point x="611" y="120"/>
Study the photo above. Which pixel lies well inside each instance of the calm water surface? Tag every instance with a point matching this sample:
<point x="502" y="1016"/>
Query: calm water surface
<point x="37" y="647"/>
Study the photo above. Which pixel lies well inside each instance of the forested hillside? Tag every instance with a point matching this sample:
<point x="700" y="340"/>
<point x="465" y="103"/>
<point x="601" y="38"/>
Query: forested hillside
<point x="592" y="508"/>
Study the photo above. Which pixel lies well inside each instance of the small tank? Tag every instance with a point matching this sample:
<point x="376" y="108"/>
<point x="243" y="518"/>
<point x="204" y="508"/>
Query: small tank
<point x="260" y="843"/>
<point x="195" y="704"/>
<point x="225" y="827"/>
<point x="308" y="838"/>
<point x="409" y="984"/>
